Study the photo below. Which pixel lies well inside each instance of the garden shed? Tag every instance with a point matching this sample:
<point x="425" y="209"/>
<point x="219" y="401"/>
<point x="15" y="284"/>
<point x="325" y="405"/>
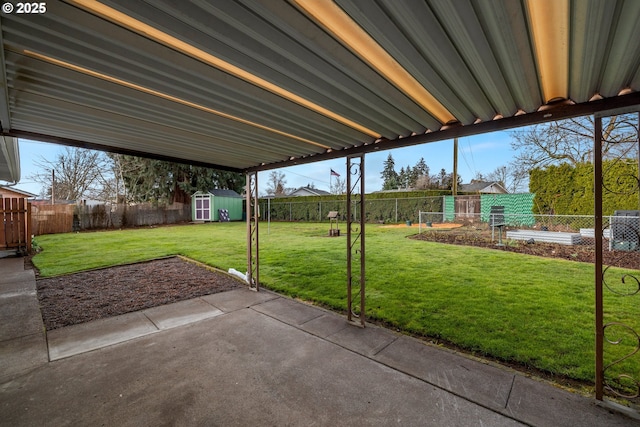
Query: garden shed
<point x="205" y="205"/>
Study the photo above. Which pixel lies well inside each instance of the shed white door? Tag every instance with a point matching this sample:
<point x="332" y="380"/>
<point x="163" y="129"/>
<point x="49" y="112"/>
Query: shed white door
<point x="203" y="208"/>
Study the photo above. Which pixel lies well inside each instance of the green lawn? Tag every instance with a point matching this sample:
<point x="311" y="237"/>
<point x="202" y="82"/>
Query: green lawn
<point x="534" y="311"/>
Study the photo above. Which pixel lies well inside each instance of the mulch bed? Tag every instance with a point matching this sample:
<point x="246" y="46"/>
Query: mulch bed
<point x="580" y="253"/>
<point x="82" y="297"/>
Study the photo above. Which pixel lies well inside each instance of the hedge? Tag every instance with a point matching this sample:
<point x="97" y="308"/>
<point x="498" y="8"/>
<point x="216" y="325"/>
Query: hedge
<point x="380" y="207"/>
<point x="568" y="190"/>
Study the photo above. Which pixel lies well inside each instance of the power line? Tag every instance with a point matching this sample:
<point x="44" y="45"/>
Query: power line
<point x="473" y="161"/>
<point x="308" y="177"/>
<point x="465" y="160"/>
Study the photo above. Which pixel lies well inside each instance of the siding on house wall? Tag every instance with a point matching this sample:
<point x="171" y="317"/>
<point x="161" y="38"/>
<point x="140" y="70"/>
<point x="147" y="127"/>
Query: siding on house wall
<point x="8" y="194"/>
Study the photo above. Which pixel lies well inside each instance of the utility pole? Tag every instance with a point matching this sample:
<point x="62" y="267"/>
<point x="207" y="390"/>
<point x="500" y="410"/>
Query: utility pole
<point x="53" y="185"/>
<point x="454" y="185"/>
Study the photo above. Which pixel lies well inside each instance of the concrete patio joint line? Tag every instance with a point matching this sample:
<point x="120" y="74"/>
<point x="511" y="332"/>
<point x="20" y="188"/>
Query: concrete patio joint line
<point x="513" y="381"/>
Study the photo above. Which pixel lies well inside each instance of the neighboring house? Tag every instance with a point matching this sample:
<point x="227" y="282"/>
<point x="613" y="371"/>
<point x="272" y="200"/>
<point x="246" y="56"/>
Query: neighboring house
<point x="483" y="187"/>
<point x="205" y="205"/>
<point x="308" y="191"/>
<point x="12" y="192"/>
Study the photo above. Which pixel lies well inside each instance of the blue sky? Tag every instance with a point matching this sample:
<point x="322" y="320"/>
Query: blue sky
<point x="479" y="153"/>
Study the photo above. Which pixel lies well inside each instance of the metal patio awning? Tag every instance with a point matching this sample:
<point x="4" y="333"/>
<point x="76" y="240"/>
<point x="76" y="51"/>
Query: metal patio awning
<point x="258" y="84"/>
<point x="9" y="159"/>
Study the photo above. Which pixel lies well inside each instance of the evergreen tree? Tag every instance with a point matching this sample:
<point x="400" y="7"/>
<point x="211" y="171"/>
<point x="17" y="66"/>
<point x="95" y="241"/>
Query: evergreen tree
<point x="420" y="169"/>
<point x="149" y="180"/>
<point x="389" y="174"/>
<point x="420" y="178"/>
<point x="403" y="178"/>
<point x="442" y="178"/>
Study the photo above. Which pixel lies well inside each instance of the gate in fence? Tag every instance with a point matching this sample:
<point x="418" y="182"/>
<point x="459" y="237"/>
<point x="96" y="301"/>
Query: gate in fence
<point x="14" y="233"/>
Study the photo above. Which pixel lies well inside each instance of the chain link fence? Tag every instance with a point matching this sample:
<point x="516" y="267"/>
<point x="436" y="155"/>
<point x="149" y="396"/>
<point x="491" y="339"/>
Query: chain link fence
<point x="380" y="210"/>
<point x="621" y="231"/>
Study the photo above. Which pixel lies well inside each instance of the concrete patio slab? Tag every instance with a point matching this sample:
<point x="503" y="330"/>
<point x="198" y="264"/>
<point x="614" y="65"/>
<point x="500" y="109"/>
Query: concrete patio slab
<point x="289" y="311"/>
<point x="479" y="382"/>
<point x="244" y="368"/>
<point x="20" y="316"/>
<point x="181" y="313"/>
<point x="90" y="336"/>
<point x="12" y="264"/>
<point x="238" y="299"/>
<point x="21" y="355"/>
<point x="541" y="404"/>
<point x="367" y="341"/>
<point x="17" y="282"/>
<point x="325" y="325"/>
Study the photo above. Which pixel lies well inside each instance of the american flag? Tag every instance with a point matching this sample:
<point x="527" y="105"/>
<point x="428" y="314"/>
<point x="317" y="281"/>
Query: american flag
<point x="334" y="173"/>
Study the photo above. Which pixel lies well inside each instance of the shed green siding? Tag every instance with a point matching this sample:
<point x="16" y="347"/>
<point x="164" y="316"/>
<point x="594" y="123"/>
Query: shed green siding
<point x="233" y="204"/>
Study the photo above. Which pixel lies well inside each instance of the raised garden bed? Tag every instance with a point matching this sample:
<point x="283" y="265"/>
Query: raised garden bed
<point x="559" y="237"/>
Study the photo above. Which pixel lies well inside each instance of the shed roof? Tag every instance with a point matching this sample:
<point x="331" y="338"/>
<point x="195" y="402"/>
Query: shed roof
<point x="224" y="193"/>
<point x="255" y="84"/>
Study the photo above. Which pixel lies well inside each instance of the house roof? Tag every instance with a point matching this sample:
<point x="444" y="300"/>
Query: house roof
<point x="16" y="190"/>
<point x="478" y="186"/>
<point x="313" y="191"/>
<point x="251" y="85"/>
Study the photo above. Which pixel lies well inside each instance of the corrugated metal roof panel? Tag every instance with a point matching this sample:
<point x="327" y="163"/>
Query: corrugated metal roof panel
<point x="9" y="159"/>
<point x="623" y="59"/>
<point x="150" y="76"/>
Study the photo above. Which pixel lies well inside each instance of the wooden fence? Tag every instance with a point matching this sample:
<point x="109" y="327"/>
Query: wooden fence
<point x="98" y="217"/>
<point x="51" y="219"/>
<point x="14" y="233"/>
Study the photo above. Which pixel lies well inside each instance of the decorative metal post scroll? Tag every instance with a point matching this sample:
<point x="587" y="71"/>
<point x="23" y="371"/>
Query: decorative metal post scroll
<point x="355" y="239"/>
<point x="616" y="164"/>
<point x="253" y="215"/>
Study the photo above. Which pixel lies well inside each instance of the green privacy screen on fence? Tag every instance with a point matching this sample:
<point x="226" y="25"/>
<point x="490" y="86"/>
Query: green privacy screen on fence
<point x="518" y="208"/>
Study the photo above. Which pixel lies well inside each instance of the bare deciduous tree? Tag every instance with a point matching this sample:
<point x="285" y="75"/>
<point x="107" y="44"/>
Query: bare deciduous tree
<point x="75" y="174"/>
<point x="570" y="141"/>
<point x="338" y="186"/>
<point x="276" y="184"/>
<point x="509" y="177"/>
